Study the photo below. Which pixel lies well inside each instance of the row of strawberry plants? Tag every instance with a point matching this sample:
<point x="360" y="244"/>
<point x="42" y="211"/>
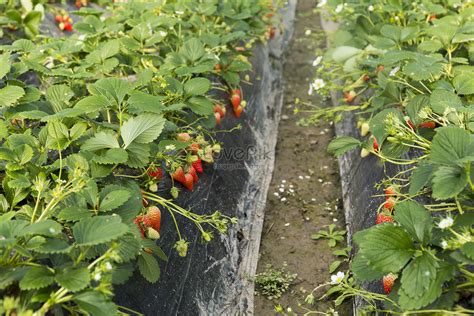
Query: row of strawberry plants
<point x="406" y="68"/>
<point x="92" y="126"/>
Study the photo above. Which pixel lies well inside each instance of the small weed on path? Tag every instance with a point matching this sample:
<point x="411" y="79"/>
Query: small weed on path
<point x="272" y="283"/>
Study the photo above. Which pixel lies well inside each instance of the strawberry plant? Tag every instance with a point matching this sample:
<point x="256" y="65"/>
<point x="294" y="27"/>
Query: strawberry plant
<point x="405" y="68"/>
<point x="92" y="124"/>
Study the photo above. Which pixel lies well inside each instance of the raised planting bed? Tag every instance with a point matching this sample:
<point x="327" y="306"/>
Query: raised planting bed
<point x="104" y="131"/>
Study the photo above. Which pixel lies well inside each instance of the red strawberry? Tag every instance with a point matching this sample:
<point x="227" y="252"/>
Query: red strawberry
<point x="376" y="145"/>
<point x="380" y="68"/>
<point x="429" y="124"/>
<point x="238" y="111"/>
<point x="183" y="137"/>
<point x="272" y="32"/>
<point x="156" y="173"/>
<point x="236" y="91"/>
<point x="382" y="218"/>
<point x="179" y="175"/>
<point x="389" y="203"/>
<point x="219" y="109"/>
<point x="58" y="18"/>
<point x="197" y="165"/>
<point x="218" y="118"/>
<point x="366" y="77"/>
<point x="194" y="147"/>
<point x="154" y="216"/>
<point x="192" y="172"/>
<point x="189" y="182"/>
<point x="138" y="221"/>
<point x="235" y="100"/>
<point x="146" y="221"/>
<point x="349" y="96"/>
<point x="68" y="27"/>
<point x="432" y="17"/>
<point x="410" y="123"/>
<point x="390" y="191"/>
<point x="388" y="281"/>
<point x="218" y="68"/>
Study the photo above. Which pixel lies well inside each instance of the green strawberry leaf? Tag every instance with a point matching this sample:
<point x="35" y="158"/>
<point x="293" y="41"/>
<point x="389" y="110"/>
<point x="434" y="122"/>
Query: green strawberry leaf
<point x="37" y="278"/>
<point x="9" y="95"/>
<point x="95" y="303"/>
<point x="450" y="145"/>
<point x="407" y="302"/>
<point x="362" y="270"/>
<point x="99" y="141"/>
<point x="441" y="99"/>
<point x="464" y="83"/>
<point x="418" y="275"/>
<point x="448" y="182"/>
<point x="387" y="248"/>
<point x="415" y="219"/>
<point x="420" y="177"/>
<point x="46" y="228"/>
<point x="149" y="267"/>
<point x="98" y="230"/>
<point x="197" y="86"/>
<point x="339" y="146"/>
<point x="5" y="64"/>
<point x="142" y="129"/>
<point x="73" y="278"/>
<point x="113" y="200"/>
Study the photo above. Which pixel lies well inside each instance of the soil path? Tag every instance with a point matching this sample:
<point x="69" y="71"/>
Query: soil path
<point x="305" y="188"/>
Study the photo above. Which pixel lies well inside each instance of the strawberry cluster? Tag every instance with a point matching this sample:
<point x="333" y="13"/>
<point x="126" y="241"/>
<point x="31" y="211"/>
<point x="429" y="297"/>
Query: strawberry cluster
<point x="198" y="151"/>
<point x="149" y="224"/>
<point x="386" y="216"/>
<point x="219" y="113"/>
<point x="236" y="101"/>
<point x="64" y="22"/>
<point x="81" y="3"/>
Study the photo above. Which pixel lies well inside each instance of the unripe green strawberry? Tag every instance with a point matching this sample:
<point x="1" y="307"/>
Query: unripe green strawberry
<point x="152" y="233"/>
<point x="364" y="153"/>
<point x="364" y="129"/>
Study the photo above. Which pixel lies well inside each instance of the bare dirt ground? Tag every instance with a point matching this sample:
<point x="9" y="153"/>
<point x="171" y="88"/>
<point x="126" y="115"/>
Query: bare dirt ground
<point x="305" y="189"/>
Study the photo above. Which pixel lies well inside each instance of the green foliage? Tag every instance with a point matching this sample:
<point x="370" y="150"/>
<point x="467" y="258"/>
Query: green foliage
<point x="82" y="113"/>
<point x="272" y="283"/>
<point x="332" y="235"/>
<point x="416" y="61"/>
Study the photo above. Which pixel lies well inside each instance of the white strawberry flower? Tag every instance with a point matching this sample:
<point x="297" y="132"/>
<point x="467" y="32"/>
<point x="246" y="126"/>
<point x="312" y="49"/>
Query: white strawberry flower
<point x="394" y="71"/>
<point x="339" y="8"/>
<point x="108" y="266"/>
<point x="317" y="61"/>
<point x="371" y="8"/>
<point x="322" y="3"/>
<point x="446" y="222"/>
<point x="97" y="276"/>
<point x="318" y="84"/>
<point x="444" y="244"/>
<point x="337" y="278"/>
